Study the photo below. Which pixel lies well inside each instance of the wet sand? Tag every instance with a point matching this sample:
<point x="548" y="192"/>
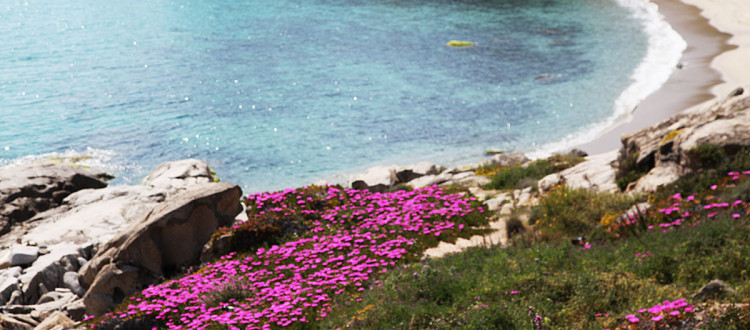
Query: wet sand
<point x="688" y="86"/>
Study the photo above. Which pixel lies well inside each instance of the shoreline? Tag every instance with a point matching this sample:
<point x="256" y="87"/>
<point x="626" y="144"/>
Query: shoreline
<point x="692" y="85"/>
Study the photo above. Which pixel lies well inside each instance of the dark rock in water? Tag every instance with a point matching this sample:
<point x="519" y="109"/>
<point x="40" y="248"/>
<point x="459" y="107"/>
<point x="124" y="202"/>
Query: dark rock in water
<point x="27" y="190"/>
<point x="167" y="239"/>
<point x="713" y="290"/>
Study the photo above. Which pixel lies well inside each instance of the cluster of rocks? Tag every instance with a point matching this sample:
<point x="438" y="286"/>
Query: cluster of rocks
<point x="665" y="149"/>
<point x="664" y="152"/>
<point x="423" y="174"/>
<point x="90" y="246"/>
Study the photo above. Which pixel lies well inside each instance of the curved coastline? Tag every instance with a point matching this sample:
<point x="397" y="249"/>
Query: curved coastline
<point x="665" y="50"/>
<point x="688" y="87"/>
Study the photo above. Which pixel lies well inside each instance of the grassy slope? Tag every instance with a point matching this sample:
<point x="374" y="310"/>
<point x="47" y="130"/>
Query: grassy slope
<point x="542" y="280"/>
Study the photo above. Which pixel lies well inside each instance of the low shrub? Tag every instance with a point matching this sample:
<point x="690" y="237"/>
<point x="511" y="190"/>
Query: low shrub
<point x="566" y="211"/>
<point x="522" y="176"/>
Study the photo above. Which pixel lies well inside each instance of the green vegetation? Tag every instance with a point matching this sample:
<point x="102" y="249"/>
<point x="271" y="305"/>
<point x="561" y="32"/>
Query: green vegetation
<point x="565" y="212"/>
<point x="570" y="286"/>
<point x="522" y="176"/>
<point x="624" y="265"/>
<point x="588" y="260"/>
<point x="630" y="170"/>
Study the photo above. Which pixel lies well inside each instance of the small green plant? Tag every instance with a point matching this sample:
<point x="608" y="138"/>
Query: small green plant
<point x="707" y="156"/>
<point x="630" y="170"/>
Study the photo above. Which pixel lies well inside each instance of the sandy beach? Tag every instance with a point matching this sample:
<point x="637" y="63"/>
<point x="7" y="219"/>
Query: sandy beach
<point x="718" y="38"/>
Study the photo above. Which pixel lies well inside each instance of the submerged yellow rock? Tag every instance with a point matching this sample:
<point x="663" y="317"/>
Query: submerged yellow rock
<point x="458" y="43"/>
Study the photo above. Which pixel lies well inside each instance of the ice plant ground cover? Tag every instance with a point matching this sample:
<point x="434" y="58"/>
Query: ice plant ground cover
<point x="333" y="244"/>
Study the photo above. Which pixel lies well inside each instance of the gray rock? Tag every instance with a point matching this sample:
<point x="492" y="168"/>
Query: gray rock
<point x="497" y="202"/>
<point x="8" y="283"/>
<point x="69" y="262"/>
<point x="8" y="322"/>
<point x="16" y="298"/>
<point x="578" y="152"/>
<point x="510" y="159"/>
<point x="170" y="237"/>
<point x="51" y="296"/>
<point x="424" y="168"/>
<point x="414" y="171"/>
<point x="81" y="261"/>
<point x="472" y="181"/>
<point x="596" y="173"/>
<point x="91" y="216"/>
<point x="23" y="254"/>
<point x="377" y="179"/>
<point x="179" y="174"/>
<point x="664" y="149"/>
<point x="70" y="280"/>
<point x="76" y="310"/>
<point x="56" y="321"/>
<point x="423" y="181"/>
<point x="30" y="189"/>
<point x="46" y="273"/>
<point x="713" y="290"/>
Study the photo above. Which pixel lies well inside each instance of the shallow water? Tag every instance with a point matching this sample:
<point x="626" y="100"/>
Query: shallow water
<point x="282" y="93"/>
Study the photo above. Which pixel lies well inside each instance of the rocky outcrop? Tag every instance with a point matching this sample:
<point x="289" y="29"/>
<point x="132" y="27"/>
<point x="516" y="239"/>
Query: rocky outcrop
<point x="514" y="158"/>
<point x="30" y="189"/>
<point x="596" y="173"/>
<point x="179" y="174"/>
<point x="52" y="246"/>
<point x="166" y="240"/>
<point x="383" y="178"/>
<point x="668" y="150"/>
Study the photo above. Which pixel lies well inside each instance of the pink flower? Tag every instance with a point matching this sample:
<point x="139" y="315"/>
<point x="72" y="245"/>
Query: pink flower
<point x="657" y="318"/>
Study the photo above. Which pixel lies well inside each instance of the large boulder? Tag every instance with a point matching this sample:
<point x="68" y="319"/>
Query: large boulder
<point x="596" y="173"/>
<point x="164" y="241"/>
<point x="27" y="190"/>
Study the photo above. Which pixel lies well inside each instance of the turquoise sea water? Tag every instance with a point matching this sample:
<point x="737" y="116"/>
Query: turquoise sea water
<point x="281" y="93"/>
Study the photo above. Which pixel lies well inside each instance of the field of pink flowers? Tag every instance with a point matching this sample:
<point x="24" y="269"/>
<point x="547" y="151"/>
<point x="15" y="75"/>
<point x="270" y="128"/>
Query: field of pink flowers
<point x="353" y="236"/>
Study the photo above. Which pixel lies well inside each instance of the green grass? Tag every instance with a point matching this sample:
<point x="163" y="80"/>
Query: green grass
<point x="565" y="284"/>
<point x="567" y="212"/>
<point x="522" y="176"/>
<point x="626" y="268"/>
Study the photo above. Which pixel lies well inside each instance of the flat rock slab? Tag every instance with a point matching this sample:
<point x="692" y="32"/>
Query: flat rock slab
<point x="27" y="190"/>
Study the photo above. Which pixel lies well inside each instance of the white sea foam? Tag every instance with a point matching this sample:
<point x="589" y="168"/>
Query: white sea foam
<point x="665" y="47"/>
<point x="101" y="159"/>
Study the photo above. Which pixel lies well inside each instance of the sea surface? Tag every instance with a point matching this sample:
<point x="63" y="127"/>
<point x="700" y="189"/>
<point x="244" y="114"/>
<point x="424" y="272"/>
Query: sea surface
<point x="283" y="93"/>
